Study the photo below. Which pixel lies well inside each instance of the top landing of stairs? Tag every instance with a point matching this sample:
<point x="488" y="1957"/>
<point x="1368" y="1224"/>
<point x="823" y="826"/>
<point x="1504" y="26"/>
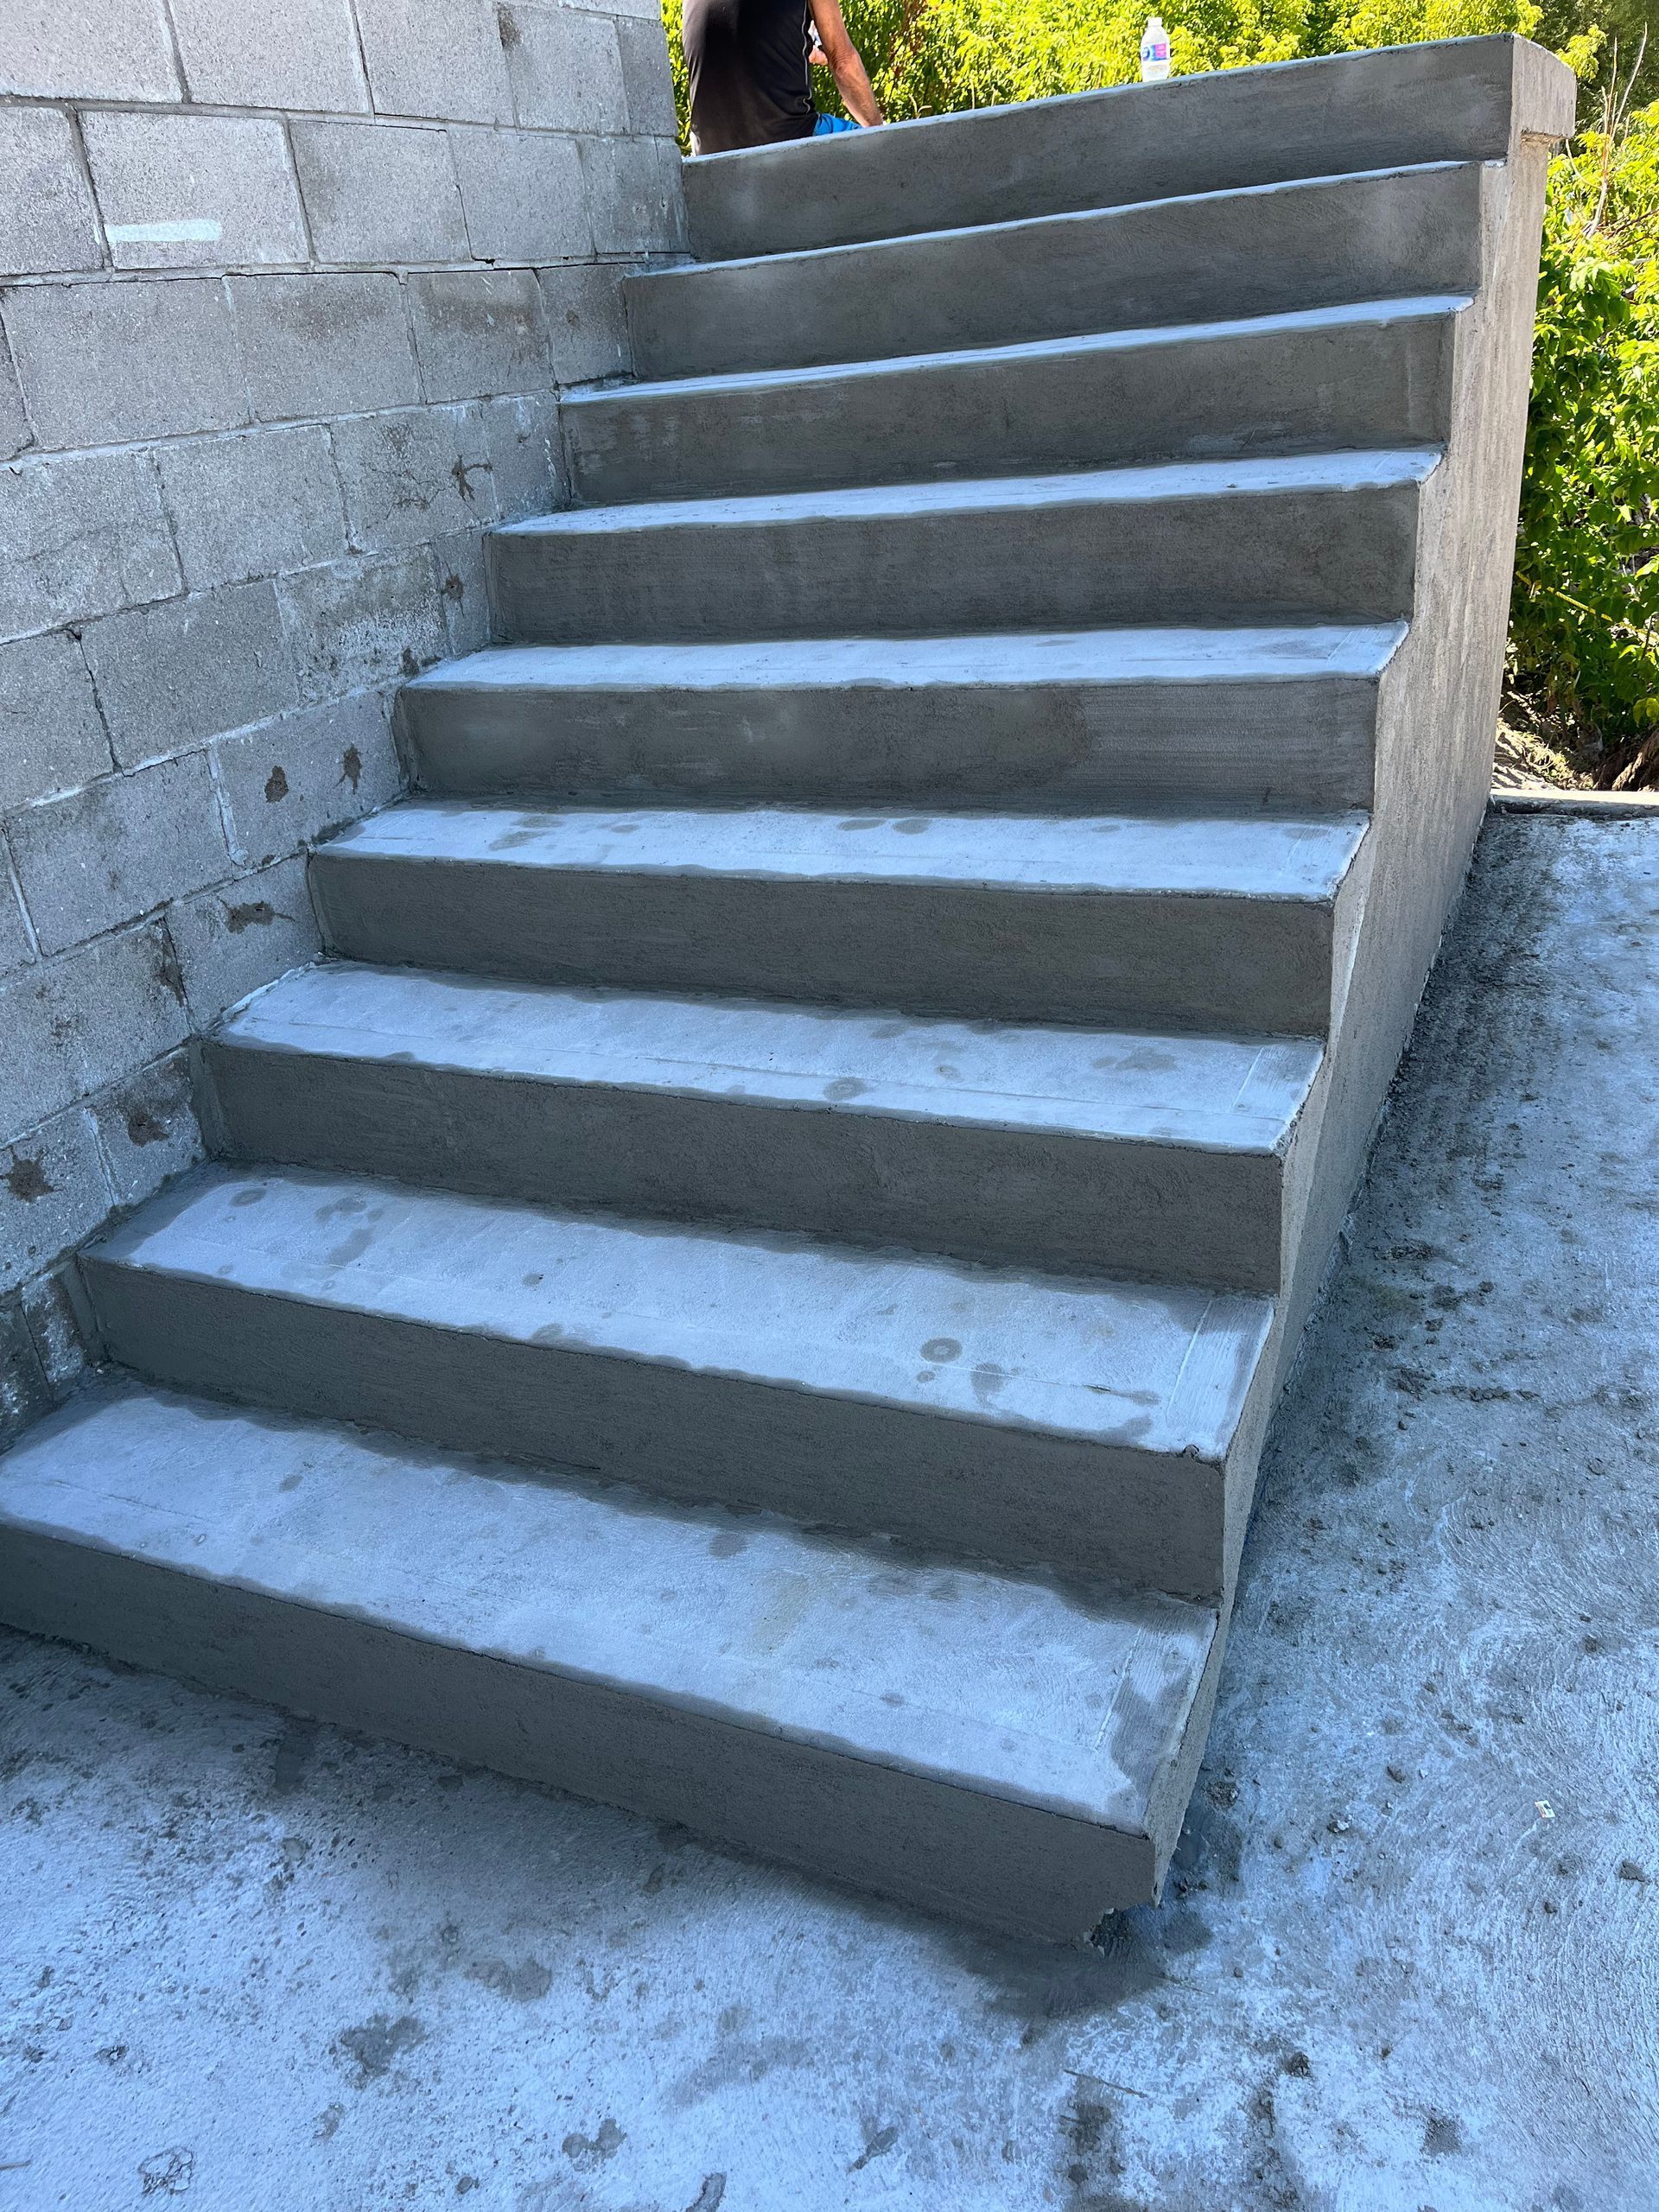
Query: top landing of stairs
<point x="1459" y="100"/>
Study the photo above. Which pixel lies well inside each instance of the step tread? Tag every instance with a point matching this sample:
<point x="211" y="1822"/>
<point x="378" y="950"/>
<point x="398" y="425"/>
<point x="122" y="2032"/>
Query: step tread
<point x="1161" y="1369"/>
<point x="1277" y="654"/>
<point x="991" y="1682"/>
<point x="1252" y="476"/>
<point x="1234" y="1094"/>
<point x="1276" y="188"/>
<point x="1239" y="856"/>
<point x="1379" y="314"/>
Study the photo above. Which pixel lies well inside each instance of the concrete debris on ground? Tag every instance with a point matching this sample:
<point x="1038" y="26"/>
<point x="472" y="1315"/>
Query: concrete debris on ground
<point x="1408" y="1956"/>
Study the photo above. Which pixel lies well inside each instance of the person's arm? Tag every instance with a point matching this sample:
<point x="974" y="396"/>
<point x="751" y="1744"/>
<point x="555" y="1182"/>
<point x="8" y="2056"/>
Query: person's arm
<point x="852" y="78"/>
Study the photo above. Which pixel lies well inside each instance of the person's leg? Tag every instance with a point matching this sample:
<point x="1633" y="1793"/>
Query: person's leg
<point x="827" y="123"/>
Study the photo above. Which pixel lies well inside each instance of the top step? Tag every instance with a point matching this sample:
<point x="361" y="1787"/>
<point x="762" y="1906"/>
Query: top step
<point x="1459" y="100"/>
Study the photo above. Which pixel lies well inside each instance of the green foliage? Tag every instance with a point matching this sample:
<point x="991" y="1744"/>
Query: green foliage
<point x="1584" y="636"/>
<point x="930" y="57"/>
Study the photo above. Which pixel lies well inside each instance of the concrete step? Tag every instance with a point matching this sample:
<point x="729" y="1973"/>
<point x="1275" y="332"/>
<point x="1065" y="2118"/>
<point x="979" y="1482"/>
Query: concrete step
<point x="1378" y="374"/>
<point x="967" y="1742"/>
<point x="1298" y="538"/>
<point x="1102" y="1428"/>
<point x="1405" y="104"/>
<point x="1386" y="233"/>
<point x="1237" y="925"/>
<point x="1074" y="720"/>
<point x="1072" y="1150"/>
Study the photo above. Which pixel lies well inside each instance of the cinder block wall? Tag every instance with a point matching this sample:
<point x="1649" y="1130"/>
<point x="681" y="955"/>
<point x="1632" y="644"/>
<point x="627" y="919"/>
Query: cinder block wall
<point x="287" y="291"/>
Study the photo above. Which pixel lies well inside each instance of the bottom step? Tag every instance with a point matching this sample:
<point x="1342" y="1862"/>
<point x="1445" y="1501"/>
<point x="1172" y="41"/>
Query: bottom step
<point x="978" y="1745"/>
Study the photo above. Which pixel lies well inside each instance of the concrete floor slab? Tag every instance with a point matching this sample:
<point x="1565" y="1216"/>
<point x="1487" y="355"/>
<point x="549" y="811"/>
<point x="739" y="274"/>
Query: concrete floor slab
<point x="1408" y="1956"/>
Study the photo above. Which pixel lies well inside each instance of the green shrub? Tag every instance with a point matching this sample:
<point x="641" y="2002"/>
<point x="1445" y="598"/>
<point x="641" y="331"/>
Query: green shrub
<point x="1584" y="630"/>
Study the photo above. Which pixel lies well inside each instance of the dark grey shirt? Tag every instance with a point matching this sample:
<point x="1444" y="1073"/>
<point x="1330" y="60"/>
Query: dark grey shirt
<point x="750" y="79"/>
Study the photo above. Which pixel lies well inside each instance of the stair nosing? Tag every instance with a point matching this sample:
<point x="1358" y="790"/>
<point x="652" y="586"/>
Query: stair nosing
<point x="683" y="662"/>
<point x="1332" y="472"/>
<point x="1348" y="828"/>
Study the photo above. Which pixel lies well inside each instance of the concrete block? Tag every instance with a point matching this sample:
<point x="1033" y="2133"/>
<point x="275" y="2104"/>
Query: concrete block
<point x="464" y="588"/>
<point x="124" y="844"/>
<point x="52" y="737"/>
<point x="16" y="945"/>
<point x="78" y="1023"/>
<point x="54" y="1192"/>
<point x="413" y="475"/>
<point x="524" y="196"/>
<point x="253" y="503"/>
<point x="647" y="78"/>
<point x="15" y="431"/>
<point x="446" y="62"/>
<point x="25" y="1393"/>
<point x="633" y="194"/>
<point x="292" y="781"/>
<point x="302" y="54"/>
<point x="323" y="345"/>
<point x="242" y="936"/>
<point x="194" y="191"/>
<point x="587" y="322"/>
<point x="378" y="193"/>
<point x="359" y="623"/>
<point x="83" y="533"/>
<point x="478" y="331"/>
<point x="169" y="675"/>
<point x="147" y="1126"/>
<point x="64" y="1329"/>
<point x="565" y="66"/>
<point x="650" y="10"/>
<point x="48" y="221"/>
<point x="103" y="364"/>
<point x="526" y="462"/>
<point x="88" y="49"/>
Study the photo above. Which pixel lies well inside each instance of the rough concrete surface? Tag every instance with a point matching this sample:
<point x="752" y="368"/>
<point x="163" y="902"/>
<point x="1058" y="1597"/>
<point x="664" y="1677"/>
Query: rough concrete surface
<point x="1406" y="1959"/>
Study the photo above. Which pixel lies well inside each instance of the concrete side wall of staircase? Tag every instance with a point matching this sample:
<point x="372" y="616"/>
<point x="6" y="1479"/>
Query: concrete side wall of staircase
<point x="1438" y="700"/>
<point x="288" y="294"/>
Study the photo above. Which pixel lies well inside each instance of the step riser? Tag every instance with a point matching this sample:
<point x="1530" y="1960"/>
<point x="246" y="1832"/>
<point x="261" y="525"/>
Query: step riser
<point x="1071" y="747"/>
<point x="1293" y="246"/>
<point x="1233" y="966"/>
<point x="1066" y="1203"/>
<point x="1209" y="133"/>
<point x="903" y="1836"/>
<point x="1297" y="555"/>
<point x="1274" y="392"/>
<point x="968" y="1489"/>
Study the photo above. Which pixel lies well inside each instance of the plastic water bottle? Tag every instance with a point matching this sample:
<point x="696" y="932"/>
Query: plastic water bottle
<point x="1155" y="52"/>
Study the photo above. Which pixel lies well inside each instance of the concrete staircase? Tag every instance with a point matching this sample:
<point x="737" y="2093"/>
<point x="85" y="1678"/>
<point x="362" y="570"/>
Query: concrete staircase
<point x="752" y="1285"/>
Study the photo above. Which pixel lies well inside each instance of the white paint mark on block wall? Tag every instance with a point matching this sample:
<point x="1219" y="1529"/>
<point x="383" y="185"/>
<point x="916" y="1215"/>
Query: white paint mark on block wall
<point x="190" y="230"/>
